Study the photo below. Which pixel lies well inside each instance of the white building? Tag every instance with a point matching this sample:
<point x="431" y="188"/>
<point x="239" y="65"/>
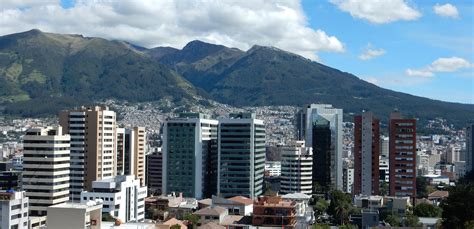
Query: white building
<point x="384" y="146"/>
<point x="422" y="163"/>
<point x="122" y="197"/>
<point x="384" y="170"/>
<point x="46" y="168"/>
<point x="273" y="168"/>
<point x="296" y="169"/>
<point x="75" y="215"/>
<point x="347" y="179"/>
<point x="453" y="154"/>
<point x="13" y="210"/>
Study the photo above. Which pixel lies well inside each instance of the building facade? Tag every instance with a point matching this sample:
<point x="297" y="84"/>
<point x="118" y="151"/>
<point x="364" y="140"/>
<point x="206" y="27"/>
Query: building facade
<point x="366" y="154"/>
<point x="13" y="210"/>
<point x="320" y="126"/>
<point x="296" y="169"/>
<point x="131" y="148"/>
<point x="190" y="155"/>
<point x="75" y="215"/>
<point x="93" y="145"/>
<point x="123" y="197"/>
<point x="46" y="168"/>
<point x="469" y="148"/>
<point x="154" y="174"/>
<point x="402" y="156"/>
<point x="241" y="149"/>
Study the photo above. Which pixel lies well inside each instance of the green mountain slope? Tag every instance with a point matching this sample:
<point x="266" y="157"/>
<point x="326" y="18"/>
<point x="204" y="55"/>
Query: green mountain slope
<point x="269" y="76"/>
<point x="39" y="70"/>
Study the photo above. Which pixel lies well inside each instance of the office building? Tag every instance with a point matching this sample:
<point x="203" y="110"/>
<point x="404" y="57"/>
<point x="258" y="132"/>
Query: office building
<point x="402" y="156"/>
<point x="154" y="174"/>
<point x="46" y="168"/>
<point x="241" y="155"/>
<point x="93" y="145"/>
<point x="190" y="155"/>
<point x="469" y="148"/>
<point x="347" y="179"/>
<point x="296" y="169"/>
<point x="123" y="197"/>
<point x="272" y="168"/>
<point x="131" y="147"/>
<point x="13" y="209"/>
<point x="75" y="215"/>
<point x="320" y="126"/>
<point x="9" y="179"/>
<point x="366" y="154"/>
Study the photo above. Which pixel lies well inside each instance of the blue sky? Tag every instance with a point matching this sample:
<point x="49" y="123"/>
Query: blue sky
<point x="408" y="45"/>
<point x="421" y="47"/>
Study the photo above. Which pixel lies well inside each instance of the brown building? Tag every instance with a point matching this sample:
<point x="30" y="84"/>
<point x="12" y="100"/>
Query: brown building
<point x="366" y="154"/>
<point x="93" y="145"/>
<point x="402" y="154"/>
<point x="273" y="211"/>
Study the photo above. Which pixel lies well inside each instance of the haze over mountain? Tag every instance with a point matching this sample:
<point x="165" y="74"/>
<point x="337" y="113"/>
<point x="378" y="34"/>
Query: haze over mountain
<point x="42" y="72"/>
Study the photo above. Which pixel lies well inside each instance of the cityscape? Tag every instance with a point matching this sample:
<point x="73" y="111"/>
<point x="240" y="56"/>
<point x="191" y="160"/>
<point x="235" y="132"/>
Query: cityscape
<point x="253" y="114"/>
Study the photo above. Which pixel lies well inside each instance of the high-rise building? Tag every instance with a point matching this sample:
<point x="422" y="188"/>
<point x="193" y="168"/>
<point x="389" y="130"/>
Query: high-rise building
<point x="384" y="146"/>
<point x="241" y="155"/>
<point x="190" y="155"/>
<point x="402" y="156"/>
<point x="123" y="197"/>
<point x="320" y="125"/>
<point x="13" y="209"/>
<point x="131" y="143"/>
<point x="453" y="154"/>
<point x="296" y="169"/>
<point x="366" y="154"/>
<point x="9" y="179"/>
<point x="46" y="168"/>
<point x="347" y="179"/>
<point x="469" y="148"/>
<point x="154" y="174"/>
<point x="93" y="145"/>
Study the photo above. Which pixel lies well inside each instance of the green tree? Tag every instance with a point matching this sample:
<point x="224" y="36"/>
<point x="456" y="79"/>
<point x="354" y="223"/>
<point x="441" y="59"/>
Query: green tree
<point x="422" y="184"/>
<point x="384" y="188"/>
<point x="320" y="206"/>
<point x="339" y="206"/>
<point x="107" y="217"/>
<point x="321" y="226"/>
<point x="192" y="219"/>
<point x="393" y="219"/>
<point x="457" y="208"/>
<point x="267" y="187"/>
<point x="411" y="220"/>
<point x="427" y="210"/>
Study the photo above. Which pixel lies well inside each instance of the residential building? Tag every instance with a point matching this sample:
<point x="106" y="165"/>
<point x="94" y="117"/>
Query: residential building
<point x="13" y="209"/>
<point x="46" y="168"/>
<point x="368" y="201"/>
<point x="237" y="205"/>
<point x="123" y="197"/>
<point x="131" y="147"/>
<point x="303" y="210"/>
<point x="320" y="126"/>
<point x="469" y="148"/>
<point x="296" y="169"/>
<point x="93" y="146"/>
<point x="75" y="215"/>
<point x="211" y="214"/>
<point x="347" y="179"/>
<point x="384" y="146"/>
<point x="366" y="154"/>
<point x="384" y="171"/>
<point x="453" y="154"/>
<point x="154" y="174"/>
<point x="273" y="211"/>
<point x="190" y="155"/>
<point x="272" y="168"/>
<point x="402" y="156"/>
<point x="241" y="150"/>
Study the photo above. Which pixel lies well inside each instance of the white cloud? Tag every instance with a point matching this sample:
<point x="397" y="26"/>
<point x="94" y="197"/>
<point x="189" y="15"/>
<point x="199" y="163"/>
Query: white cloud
<point x="371" y="52"/>
<point x="450" y="64"/>
<point x="240" y="24"/>
<point x="446" y="10"/>
<point x="378" y="11"/>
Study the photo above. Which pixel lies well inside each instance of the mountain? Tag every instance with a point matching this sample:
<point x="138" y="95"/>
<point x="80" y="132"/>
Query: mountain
<point x="43" y="72"/>
<point x="40" y="70"/>
<point x="270" y="76"/>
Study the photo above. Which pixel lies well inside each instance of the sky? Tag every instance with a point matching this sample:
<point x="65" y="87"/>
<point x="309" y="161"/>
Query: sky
<point x="420" y="47"/>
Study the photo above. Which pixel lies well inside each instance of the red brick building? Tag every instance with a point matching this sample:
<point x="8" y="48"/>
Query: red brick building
<point x="273" y="211"/>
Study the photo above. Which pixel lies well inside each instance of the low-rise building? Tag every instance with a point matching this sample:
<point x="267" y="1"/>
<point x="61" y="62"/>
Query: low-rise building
<point x="13" y="209"/>
<point x="237" y="205"/>
<point x="211" y="214"/>
<point x="123" y="197"/>
<point x="273" y="211"/>
<point x="75" y="215"/>
<point x="397" y="204"/>
<point x="368" y="202"/>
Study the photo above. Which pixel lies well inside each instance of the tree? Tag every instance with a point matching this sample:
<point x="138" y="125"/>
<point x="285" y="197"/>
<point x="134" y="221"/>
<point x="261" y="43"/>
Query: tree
<point x="384" y="188"/>
<point x="267" y="187"/>
<point x="393" y="219"/>
<point x="107" y="217"/>
<point x="193" y="219"/>
<point x="427" y="210"/>
<point x="320" y="206"/>
<point x="321" y="226"/>
<point x="411" y="220"/>
<point x="339" y="206"/>
<point x="422" y="184"/>
<point x="457" y="208"/>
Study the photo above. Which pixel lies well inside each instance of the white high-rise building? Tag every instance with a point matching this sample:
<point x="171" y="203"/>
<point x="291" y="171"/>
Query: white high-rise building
<point x="296" y="169"/>
<point x="384" y="146"/>
<point x="93" y="146"/>
<point x="131" y="147"/>
<point x="123" y="197"/>
<point x="46" y="165"/>
<point x="348" y="179"/>
<point x="315" y="123"/>
<point x="13" y="210"/>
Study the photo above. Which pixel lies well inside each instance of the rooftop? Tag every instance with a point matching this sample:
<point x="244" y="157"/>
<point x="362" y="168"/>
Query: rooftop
<point x="214" y="211"/>
<point x="242" y="200"/>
